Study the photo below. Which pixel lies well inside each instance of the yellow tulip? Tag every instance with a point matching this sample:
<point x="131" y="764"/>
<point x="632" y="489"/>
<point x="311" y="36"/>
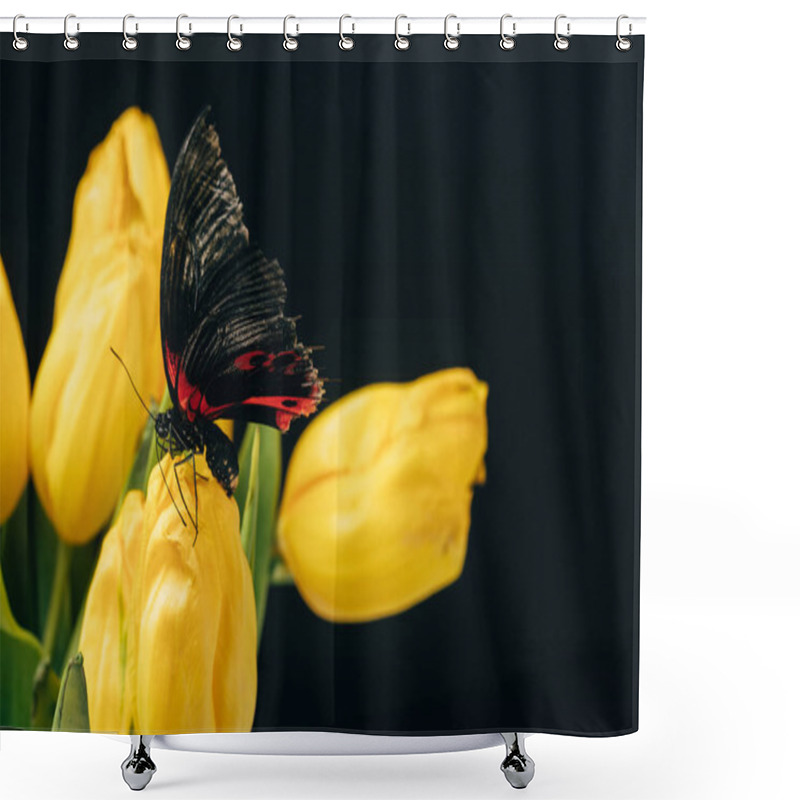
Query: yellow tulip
<point x="104" y="633"/>
<point x="15" y="394"/>
<point x="85" y="418"/>
<point x="169" y="634"/>
<point x="375" y="511"/>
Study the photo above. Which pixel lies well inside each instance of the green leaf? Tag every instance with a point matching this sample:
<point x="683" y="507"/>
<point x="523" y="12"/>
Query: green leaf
<point x="260" y="482"/>
<point x="26" y="698"/>
<point x="250" y="515"/>
<point x="44" y="543"/>
<point x="18" y="562"/>
<point x="245" y="454"/>
<point x="72" y="709"/>
<point x="280" y="575"/>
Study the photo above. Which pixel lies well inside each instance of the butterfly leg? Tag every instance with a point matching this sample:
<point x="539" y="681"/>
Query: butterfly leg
<point x="160" y="451"/>
<point x="175" y="465"/>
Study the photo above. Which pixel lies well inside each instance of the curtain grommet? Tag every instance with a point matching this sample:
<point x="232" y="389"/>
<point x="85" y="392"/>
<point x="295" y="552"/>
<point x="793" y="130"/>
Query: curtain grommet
<point x="129" y="42"/>
<point x="234" y="43"/>
<point x="507" y="42"/>
<point x="451" y="42"/>
<point x="71" y="43"/>
<point x="346" y="42"/>
<point x="289" y="42"/>
<point x="623" y="44"/>
<point x="20" y="43"/>
<point x="182" y="42"/>
<point x="401" y="42"/>
<point x="561" y="43"/>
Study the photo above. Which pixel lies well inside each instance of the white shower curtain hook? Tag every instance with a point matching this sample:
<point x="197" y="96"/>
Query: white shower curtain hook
<point x="129" y="42"/>
<point x="401" y="42"/>
<point x="451" y="42"/>
<point x="71" y="42"/>
<point x="622" y="43"/>
<point x="182" y="42"/>
<point x="346" y="42"/>
<point x="290" y="43"/>
<point x="561" y="43"/>
<point x="20" y="42"/>
<point x="507" y="42"/>
<point x="234" y="44"/>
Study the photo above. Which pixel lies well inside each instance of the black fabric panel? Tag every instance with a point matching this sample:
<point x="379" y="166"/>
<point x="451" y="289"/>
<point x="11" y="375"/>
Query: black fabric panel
<point x="430" y="209"/>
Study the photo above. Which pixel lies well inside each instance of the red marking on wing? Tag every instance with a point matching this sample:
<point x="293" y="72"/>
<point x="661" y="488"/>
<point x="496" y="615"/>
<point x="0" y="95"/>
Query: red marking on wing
<point x="253" y="360"/>
<point x="172" y="364"/>
<point x="193" y="402"/>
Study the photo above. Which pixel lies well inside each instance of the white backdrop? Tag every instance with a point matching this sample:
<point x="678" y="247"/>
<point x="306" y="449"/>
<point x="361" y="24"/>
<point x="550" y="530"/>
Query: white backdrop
<point x="720" y="451"/>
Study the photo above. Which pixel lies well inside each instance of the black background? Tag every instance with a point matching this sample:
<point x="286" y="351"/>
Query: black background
<point x="431" y="209"/>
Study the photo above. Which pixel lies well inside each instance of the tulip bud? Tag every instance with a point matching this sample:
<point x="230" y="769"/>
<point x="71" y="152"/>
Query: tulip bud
<point x="169" y="634"/>
<point x="15" y="393"/>
<point x="375" y="511"/>
<point x="196" y="647"/>
<point x="85" y="418"/>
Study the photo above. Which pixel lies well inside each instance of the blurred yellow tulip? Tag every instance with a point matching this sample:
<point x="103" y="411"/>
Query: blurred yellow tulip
<point x="375" y="511"/>
<point x="85" y="418"/>
<point x="15" y="398"/>
<point x="169" y="634"/>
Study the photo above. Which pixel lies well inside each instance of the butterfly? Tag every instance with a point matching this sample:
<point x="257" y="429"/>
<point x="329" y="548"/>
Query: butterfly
<point x="229" y="350"/>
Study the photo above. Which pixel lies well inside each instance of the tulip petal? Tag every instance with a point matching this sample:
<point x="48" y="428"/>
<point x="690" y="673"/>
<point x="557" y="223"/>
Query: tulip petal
<point x="194" y="612"/>
<point x="15" y="393"/>
<point x="375" y="513"/>
<point x="105" y="633"/>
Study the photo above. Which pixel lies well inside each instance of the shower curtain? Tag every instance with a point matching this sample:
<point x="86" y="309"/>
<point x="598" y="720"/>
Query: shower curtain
<point x="320" y="385"/>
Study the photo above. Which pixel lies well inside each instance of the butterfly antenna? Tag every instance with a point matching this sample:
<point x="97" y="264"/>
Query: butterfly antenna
<point x="127" y="372"/>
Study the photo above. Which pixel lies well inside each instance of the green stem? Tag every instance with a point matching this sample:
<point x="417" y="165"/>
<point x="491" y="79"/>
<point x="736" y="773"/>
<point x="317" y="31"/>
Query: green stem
<point x="60" y="578"/>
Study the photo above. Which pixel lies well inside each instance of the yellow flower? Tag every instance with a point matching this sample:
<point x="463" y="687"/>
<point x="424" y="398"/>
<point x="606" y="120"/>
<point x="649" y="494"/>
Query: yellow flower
<point x="376" y="508"/>
<point x="85" y="418"/>
<point x="104" y="633"/>
<point x="169" y="634"/>
<point x="15" y="394"/>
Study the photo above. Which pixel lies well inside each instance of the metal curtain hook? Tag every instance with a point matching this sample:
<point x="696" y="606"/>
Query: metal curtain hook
<point x="182" y="42"/>
<point x="622" y="43"/>
<point x="561" y="43"/>
<point x="346" y="42"/>
<point x="401" y="42"/>
<point x="507" y="42"/>
<point x="289" y="43"/>
<point x="129" y="42"/>
<point x="20" y="42"/>
<point x="451" y="42"/>
<point x="234" y="43"/>
<point x="70" y="42"/>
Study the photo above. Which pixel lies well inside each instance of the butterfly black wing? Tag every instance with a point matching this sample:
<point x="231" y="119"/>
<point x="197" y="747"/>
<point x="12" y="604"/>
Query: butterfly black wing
<point x="228" y="349"/>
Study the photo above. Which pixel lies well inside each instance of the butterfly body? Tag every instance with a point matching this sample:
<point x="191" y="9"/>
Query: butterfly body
<point x="229" y="350"/>
<point x="179" y="436"/>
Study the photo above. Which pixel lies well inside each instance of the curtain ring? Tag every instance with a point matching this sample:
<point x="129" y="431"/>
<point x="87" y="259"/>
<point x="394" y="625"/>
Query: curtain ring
<point x="20" y="42"/>
<point x="182" y="42"/>
<point x="70" y="42"/>
<point x="622" y="43"/>
<point x="289" y="43"/>
<point x="234" y="44"/>
<point x="561" y="43"/>
<point x="507" y="42"/>
<point x="401" y="42"/>
<point x="451" y="42"/>
<point x="129" y="42"/>
<point x="346" y="42"/>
